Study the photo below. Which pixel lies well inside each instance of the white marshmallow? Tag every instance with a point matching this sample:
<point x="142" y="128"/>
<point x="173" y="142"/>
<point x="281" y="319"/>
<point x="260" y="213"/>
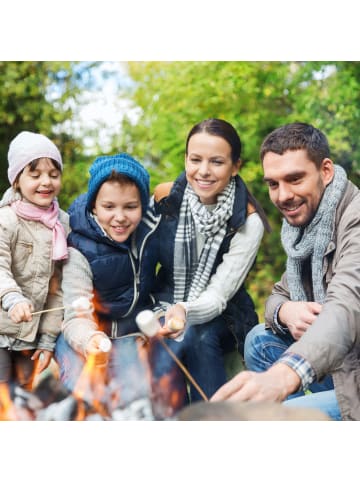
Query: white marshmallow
<point x="148" y="323"/>
<point x="105" y="345"/>
<point x="82" y="304"/>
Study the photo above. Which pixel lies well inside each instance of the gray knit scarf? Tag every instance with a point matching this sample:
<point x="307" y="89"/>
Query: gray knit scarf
<point x="192" y="272"/>
<point x="301" y="243"/>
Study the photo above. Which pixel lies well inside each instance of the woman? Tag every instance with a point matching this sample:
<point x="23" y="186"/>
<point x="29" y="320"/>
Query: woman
<point x="210" y="233"/>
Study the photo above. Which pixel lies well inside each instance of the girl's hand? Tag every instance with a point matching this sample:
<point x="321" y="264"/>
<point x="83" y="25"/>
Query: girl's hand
<point x="21" y="312"/>
<point x="43" y="358"/>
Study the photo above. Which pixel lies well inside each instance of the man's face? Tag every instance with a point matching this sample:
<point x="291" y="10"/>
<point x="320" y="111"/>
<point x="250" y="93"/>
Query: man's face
<point x="295" y="184"/>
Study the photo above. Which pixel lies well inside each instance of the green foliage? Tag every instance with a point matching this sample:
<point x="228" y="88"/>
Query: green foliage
<point x="36" y="97"/>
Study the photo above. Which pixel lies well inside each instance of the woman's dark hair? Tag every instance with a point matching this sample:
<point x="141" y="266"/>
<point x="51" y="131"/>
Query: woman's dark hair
<point x="295" y="136"/>
<point x="220" y="128"/>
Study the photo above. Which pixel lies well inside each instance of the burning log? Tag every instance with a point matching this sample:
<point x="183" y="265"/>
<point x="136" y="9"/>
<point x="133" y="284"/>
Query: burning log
<point x="29" y="406"/>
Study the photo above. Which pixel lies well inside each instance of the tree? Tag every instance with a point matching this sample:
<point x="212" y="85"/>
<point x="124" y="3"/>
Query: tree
<point x="38" y="96"/>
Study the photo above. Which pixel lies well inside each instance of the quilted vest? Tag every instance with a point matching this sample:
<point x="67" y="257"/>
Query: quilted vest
<point x="122" y="282"/>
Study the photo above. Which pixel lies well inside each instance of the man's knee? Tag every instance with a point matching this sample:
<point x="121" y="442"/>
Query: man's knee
<point x="253" y="337"/>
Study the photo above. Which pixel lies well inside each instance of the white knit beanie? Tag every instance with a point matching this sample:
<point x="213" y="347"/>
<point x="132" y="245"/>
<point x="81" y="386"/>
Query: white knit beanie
<point x="26" y="147"/>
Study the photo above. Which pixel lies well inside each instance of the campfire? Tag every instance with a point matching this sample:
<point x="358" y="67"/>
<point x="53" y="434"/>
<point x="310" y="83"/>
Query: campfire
<point x="50" y="401"/>
<point x="94" y="397"/>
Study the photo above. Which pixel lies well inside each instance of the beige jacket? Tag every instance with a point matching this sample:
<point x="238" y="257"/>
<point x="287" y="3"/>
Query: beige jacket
<point x="332" y="343"/>
<point x="26" y="267"/>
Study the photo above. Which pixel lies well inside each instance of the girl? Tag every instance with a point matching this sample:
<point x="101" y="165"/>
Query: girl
<point x="32" y="246"/>
<point x="211" y="231"/>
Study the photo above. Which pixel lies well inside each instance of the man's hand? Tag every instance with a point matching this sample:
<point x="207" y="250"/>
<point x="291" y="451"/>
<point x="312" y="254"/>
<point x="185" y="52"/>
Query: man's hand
<point x="298" y="316"/>
<point x="275" y="384"/>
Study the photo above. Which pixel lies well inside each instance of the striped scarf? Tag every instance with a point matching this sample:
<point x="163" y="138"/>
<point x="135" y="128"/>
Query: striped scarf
<point x="311" y="241"/>
<point x="192" y="272"/>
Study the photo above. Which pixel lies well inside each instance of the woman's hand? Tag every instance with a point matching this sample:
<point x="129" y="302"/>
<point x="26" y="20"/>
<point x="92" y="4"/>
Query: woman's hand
<point x="175" y="321"/>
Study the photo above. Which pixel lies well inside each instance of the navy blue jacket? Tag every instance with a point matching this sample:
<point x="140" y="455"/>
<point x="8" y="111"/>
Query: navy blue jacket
<point x="122" y="282"/>
<point x="240" y="312"/>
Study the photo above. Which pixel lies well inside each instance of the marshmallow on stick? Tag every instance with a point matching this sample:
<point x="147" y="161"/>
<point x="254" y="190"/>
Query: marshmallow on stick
<point x="105" y="345"/>
<point x="80" y="304"/>
<point x="148" y="323"/>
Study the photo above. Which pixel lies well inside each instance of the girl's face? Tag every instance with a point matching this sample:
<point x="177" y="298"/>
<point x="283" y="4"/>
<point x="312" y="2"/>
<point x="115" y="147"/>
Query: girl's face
<point x="41" y="185"/>
<point x="118" y="209"/>
<point x="208" y="166"/>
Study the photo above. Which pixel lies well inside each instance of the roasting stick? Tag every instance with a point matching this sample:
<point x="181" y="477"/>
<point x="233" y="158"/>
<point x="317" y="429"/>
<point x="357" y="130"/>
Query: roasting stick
<point x="183" y="368"/>
<point x="81" y="304"/>
<point x="49" y="309"/>
<point x="149" y="324"/>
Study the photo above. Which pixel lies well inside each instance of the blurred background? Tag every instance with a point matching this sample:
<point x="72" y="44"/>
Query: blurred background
<point x="147" y="108"/>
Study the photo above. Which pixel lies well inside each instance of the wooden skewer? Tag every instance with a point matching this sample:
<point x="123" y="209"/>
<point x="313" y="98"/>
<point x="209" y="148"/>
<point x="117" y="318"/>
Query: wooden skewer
<point x="76" y="307"/>
<point x="49" y="309"/>
<point x="183" y="368"/>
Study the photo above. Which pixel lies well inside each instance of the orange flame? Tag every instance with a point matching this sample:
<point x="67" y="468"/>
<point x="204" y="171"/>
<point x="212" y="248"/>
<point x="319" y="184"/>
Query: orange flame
<point x="7" y="409"/>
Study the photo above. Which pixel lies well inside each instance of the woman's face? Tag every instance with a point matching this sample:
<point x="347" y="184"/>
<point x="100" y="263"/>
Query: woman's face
<point x="208" y="166"/>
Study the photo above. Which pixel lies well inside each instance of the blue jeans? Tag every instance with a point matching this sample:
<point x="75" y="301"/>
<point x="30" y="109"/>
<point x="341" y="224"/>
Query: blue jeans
<point x="263" y="348"/>
<point x="136" y="370"/>
<point x="324" y="401"/>
<point x="205" y="346"/>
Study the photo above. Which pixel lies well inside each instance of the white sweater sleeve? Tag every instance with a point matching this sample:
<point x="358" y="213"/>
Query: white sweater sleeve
<point x="77" y="282"/>
<point x="229" y="275"/>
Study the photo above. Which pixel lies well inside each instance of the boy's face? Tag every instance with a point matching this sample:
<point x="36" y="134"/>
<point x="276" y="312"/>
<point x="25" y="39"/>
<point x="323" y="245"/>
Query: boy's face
<point x="118" y="209"/>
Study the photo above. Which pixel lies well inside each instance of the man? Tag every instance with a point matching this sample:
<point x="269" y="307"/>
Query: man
<point x="312" y="317"/>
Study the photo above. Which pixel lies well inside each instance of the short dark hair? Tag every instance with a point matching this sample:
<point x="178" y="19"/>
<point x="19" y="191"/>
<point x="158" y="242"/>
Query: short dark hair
<point x="219" y="128"/>
<point x="295" y="136"/>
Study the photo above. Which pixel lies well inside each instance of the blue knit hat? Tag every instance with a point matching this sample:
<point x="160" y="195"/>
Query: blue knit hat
<point x="124" y="164"/>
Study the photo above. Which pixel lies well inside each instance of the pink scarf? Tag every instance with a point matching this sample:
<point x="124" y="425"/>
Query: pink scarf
<point x="50" y="218"/>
